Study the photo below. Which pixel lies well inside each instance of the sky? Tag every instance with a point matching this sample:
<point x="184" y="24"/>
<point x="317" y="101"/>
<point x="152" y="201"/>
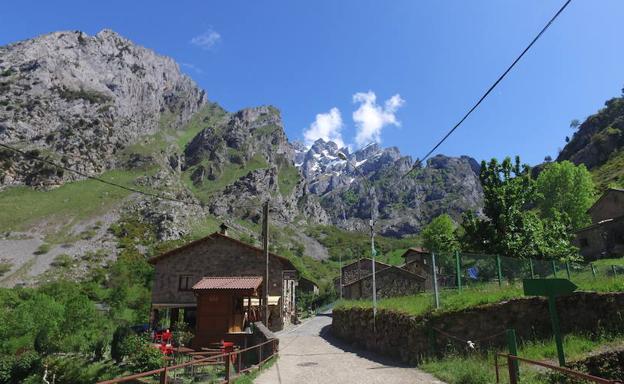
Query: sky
<point x="399" y="72"/>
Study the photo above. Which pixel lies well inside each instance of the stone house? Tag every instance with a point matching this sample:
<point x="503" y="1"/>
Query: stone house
<point x="418" y="261"/>
<point x="605" y="237"/>
<point x="357" y="280"/>
<point x="218" y="255"/>
<point x="389" y="282"/>
<point x="359" y="269"/>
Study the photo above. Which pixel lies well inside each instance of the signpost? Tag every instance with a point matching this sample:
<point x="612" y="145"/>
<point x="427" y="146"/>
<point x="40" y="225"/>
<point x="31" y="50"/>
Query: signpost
<point x="551" y="288"/>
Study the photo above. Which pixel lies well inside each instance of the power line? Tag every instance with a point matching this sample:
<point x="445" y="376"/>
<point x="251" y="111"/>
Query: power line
<point x="500" y="78"/>
<point x="130" y="189"/>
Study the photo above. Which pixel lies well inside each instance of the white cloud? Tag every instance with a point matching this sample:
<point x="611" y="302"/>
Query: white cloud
<point x="370" y="118"/>
<point x="327" y="126"/>
<point x="207" y="39"/>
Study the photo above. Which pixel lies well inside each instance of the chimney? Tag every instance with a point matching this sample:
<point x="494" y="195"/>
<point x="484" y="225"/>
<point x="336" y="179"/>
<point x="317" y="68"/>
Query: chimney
<point x="224" y="229"/>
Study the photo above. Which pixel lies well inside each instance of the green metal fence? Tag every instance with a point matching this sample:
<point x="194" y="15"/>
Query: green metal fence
<point x="464" y="270"/>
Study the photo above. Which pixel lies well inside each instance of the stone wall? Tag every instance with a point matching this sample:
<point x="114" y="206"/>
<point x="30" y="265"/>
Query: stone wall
<point x="409" y="338"/>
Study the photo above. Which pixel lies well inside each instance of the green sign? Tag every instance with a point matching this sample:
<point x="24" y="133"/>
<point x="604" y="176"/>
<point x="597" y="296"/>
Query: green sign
<point x="551" y="288"/>
<point x="548" y="287"/>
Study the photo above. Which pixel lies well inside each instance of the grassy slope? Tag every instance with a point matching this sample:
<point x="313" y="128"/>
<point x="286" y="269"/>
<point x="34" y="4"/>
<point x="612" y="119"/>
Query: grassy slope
<point x="354" y="245"/>
<point x="22" y="207"/>
<point x="611" y="173"/>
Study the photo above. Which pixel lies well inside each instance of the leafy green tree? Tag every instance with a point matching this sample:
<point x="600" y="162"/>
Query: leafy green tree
<point x="511" y="226"/>
<point x="439" y="235"/>
<point x="566" y="188"/>
<point x="119" y="336"/>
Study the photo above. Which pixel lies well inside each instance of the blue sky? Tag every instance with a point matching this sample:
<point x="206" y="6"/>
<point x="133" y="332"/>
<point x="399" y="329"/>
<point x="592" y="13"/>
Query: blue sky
<point x="435" y="57"/>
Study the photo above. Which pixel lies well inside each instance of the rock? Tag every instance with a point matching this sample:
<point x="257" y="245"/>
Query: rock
<point x="83" y="98"/>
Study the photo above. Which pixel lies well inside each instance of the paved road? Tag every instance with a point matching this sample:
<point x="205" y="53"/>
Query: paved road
<point x="309" y="355"/>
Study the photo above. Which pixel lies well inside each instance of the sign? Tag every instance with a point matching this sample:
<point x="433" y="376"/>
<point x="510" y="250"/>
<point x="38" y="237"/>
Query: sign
<point x="551" y="288"/>
<point x="548" y="287"/>
<point x="289" y="275"/>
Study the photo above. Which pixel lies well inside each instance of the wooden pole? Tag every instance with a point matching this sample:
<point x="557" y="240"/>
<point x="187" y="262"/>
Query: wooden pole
<point x="265" y="244"/>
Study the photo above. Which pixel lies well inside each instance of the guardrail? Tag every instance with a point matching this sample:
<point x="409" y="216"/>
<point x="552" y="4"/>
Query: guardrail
<point x="512" y="365"/>
<point x="229" y="360"/>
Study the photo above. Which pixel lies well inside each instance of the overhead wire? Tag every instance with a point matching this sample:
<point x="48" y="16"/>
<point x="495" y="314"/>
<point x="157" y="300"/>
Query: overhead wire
<point x="489" y="90"/>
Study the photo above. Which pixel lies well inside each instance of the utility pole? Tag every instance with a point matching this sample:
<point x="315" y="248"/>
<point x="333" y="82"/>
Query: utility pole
<point x="265" y="246"/>
<point x="344" y="219"/>
<point x="373" y="252"/>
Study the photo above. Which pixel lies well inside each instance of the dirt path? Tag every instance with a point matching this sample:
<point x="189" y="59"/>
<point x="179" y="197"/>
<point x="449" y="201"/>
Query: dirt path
<point x="309" y="355"/>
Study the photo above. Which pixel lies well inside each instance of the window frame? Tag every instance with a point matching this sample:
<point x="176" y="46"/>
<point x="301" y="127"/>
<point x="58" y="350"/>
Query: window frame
<point x="188" y="286"/>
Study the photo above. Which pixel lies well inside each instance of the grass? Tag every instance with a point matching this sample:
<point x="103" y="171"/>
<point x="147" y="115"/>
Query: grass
<point x="5" y="267"/>
<point x="23" y="207"/>
<point x="231" y="173"/>
<point x="250" y="377"/>
<point x="487" y="293"/>
<point x="611" y="172"/>
<point x="451" y="300"/>
<point x="479" y="368"/>
<point x="288" y="177"/>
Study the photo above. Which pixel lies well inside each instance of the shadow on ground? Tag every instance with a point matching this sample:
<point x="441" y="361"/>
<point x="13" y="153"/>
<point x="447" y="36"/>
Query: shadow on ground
<point x="327" y="335"/>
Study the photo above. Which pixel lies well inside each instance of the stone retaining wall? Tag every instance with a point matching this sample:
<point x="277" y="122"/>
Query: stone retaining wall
<point x="409" y="338"/>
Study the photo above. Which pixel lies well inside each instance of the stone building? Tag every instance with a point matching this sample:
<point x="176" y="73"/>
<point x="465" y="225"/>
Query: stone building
<point x="605" y="237"/>
<point x="389" y="282"/>
<point x="357" y="280"/>
<point x="418" y="261"/>
<point x="218" y="255"/>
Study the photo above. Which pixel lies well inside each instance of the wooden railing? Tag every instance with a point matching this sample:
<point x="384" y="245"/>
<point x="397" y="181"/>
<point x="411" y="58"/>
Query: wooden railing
<point x="512" y="365"/>
<point x="224" y="359"/>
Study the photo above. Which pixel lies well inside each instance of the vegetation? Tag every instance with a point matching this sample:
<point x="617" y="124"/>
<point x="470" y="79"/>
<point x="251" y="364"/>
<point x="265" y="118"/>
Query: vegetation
<point x="354" y="245"/>
<point x="481" y="293"/>
<point x="22" y="207"/>
<point x="478" y="367"/>
<point x="511" y="226"/>
<point x="439" y="235"/>
<point x="564" y="188"/>
<point x="41" y="326"/>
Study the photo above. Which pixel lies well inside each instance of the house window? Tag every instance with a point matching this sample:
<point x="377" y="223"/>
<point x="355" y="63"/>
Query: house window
<point x="583" y="241"/>
<point x="185" y="283"/>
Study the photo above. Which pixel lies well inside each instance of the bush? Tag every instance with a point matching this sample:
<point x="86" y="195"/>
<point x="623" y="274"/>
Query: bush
<point x="141" y="355"/>
<point x="117" y="344"/>
<point x="43" y="249"/>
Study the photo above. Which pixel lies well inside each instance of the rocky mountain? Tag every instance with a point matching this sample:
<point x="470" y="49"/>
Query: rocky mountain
<point x="107" y="107"/>
<point x="598" y="143"/>
<point x="80" y="99"/>
<point x="403" y="205"/>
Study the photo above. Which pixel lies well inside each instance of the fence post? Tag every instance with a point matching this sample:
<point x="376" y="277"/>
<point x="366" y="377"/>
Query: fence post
<point x="513" y="378"/>
<point x="227" y="368"/>
<point x="567" y="265"/>
<point x="513" y="349"/>
<point x="554" y="269"/>
<point x="531" y="268"/>
<point x="435" y="281"/>
<point x="499" y="271"/>
<point x="593" y="269"/>
<point x="458" y="269"/>
<point x="163" y="376"/>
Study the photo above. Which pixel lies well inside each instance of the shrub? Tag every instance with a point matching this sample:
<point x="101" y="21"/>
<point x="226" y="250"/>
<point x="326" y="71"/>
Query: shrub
<point x="117" y="344"/>
<point x="5" y="267"/>
<point x="43" y="249"/>
<point x="62" y="261"/>
<point x="141" y="355"/>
